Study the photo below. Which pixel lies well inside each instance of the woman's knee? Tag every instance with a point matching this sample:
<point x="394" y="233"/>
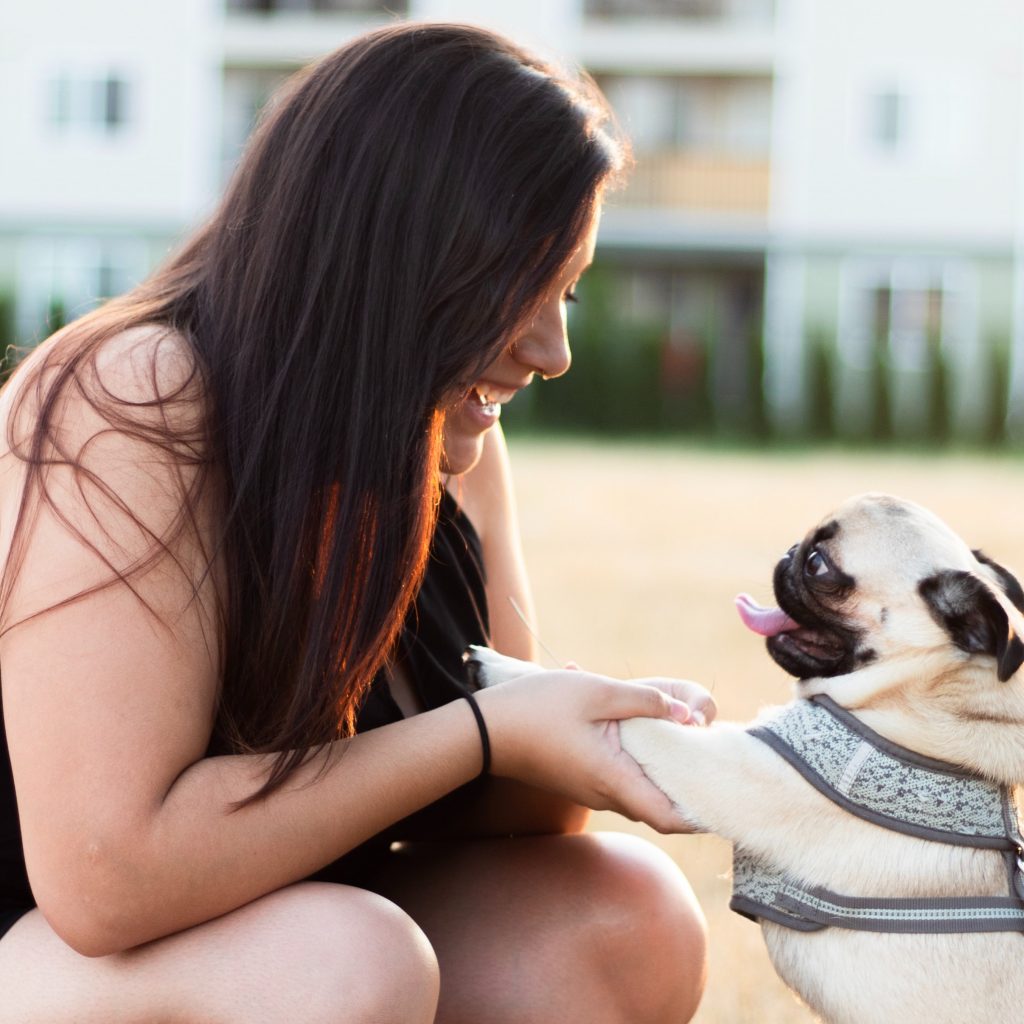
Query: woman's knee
<point x="333" y="955"/>
<point x="319" y="953"/>
<point x="647" y="930"/>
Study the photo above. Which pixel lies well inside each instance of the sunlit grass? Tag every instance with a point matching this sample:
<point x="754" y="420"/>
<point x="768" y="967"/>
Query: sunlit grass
<point x="636" y="552"/>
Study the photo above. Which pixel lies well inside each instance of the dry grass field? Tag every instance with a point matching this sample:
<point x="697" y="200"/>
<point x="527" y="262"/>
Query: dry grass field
<point x="635" y="554"/>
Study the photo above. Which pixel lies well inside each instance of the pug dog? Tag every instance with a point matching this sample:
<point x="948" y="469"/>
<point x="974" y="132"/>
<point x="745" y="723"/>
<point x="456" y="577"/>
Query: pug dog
<point x="873" y="818"/>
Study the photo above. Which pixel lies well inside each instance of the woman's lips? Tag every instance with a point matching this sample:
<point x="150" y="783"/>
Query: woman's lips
<point x="482" y="404"/>
<point x="487" y="403"/>
<point x="484" y="400"/>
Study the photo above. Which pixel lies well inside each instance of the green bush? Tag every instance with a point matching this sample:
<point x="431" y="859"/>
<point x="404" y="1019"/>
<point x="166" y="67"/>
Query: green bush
<point x="56" y="315"/>
<point x="686" y="405"/>
<point x="8" y="351"/>
<point x="614" y="383"/>
<point x="881" y="429"/>
<point x="758" y="424"/>
<point x="820" y="376"/>
<point x="998" y="403"/>
<point x="937" y="412"/>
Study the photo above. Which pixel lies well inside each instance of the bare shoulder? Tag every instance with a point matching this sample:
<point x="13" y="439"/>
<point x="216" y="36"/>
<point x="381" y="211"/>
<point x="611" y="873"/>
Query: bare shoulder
<point x="142" y="375"/>
<point x="148" y="372"/>
<point x="103" y="449"/>
<point x="147" y="361"/>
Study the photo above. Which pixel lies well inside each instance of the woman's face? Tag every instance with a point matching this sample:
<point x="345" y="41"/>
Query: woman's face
<point x="541" y="347"/>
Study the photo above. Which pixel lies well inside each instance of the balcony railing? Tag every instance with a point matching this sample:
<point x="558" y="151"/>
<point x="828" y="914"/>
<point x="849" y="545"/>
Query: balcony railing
<point x="320" y="6"/>
<point x="712" y="10"/>
<point x="699" y="181"/>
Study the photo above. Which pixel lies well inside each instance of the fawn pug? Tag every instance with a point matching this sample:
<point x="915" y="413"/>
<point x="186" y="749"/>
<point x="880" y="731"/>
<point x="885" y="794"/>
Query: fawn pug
<point x="874" y="818"/>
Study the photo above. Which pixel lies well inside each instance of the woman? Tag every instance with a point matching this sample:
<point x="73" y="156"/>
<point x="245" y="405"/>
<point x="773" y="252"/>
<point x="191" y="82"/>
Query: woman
<point x="220" y="498"/>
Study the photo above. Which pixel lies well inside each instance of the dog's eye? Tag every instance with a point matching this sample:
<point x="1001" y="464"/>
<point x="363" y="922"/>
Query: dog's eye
<point x="815" y="564"/>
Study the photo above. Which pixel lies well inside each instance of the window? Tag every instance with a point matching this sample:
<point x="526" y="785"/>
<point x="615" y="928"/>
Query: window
<point x="888" y="128"/>
<point x="338" y="6"/>
<point x="647" y="106"/>
<point x="245" y="93"/>
<point x="721" y="114"/>
<point x="72" y="275"/>
<point x="916" y="324"/>
<point x="718" y="10"/>
<point x="906" y="310"/>
<point x="905" y="320"/>
<point x="911" y="362"/>
<point x="93" y="104"/>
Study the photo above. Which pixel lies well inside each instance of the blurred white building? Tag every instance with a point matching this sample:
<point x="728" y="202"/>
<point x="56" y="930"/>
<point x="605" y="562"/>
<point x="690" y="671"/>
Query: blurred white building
<point x="897" y="174"/>
<point x="110" y="126"/>
<point x="837" y="174"/>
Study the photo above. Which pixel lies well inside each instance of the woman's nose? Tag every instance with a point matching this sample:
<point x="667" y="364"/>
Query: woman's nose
<point x="544" y="347"/>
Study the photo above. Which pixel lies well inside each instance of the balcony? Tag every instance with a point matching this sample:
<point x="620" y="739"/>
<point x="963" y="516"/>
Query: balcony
<point x="285" y="34"/>
<point x="649" y="38"/>
<point x="695" y="181"/>
<point x="681" y="10"/>
<point x="318" y="6"/>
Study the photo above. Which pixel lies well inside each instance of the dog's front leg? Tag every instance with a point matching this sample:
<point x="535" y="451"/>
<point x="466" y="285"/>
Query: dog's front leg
<point x="726" y="781"/>
<point x="721" y="778"/>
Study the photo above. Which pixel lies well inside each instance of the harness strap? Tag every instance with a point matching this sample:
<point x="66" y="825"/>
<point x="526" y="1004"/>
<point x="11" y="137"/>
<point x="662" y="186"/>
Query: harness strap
<point x="763" y="893"/>
<point x="886" y="784"/>
<point x="898" y="789"/>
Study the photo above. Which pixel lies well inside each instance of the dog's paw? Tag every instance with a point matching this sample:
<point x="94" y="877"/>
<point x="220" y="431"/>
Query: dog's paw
<point x="659" y="747"/>
<point x="488" y="668"/>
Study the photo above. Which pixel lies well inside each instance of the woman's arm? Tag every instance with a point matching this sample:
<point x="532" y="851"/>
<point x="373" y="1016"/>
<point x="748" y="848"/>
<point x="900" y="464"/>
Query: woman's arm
<point x="487" y="497"/>
<point x="109" y="700"/>
<point x="130" y="831"/>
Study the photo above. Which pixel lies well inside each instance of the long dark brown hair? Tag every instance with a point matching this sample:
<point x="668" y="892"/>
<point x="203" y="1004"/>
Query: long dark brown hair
<point x="400" y="211"/>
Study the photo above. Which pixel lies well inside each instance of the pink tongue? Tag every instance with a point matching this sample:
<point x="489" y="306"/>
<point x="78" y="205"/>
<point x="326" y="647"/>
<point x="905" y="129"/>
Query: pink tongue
<point x="763" y="621"/>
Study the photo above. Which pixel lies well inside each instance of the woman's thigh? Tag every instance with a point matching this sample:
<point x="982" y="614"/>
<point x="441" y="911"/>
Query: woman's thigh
<point x="312" y="952"/>
<point x="594" y="928"/>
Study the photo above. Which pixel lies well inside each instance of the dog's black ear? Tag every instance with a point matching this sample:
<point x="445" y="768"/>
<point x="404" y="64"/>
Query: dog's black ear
<point x="976" y="622"/>
<point x="1011" y="585"/>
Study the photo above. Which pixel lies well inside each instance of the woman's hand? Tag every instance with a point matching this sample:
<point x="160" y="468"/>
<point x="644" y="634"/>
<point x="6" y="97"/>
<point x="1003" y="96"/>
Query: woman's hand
<point x="559" y="730"/>
<point x="703" y="709"/>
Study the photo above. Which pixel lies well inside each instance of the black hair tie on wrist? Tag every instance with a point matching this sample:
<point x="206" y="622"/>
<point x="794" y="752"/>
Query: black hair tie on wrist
<point x="485" y="740"/>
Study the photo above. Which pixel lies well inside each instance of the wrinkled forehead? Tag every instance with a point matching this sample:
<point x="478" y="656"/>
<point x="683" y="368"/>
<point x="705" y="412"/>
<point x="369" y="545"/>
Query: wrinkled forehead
<point x="877" y="534"/>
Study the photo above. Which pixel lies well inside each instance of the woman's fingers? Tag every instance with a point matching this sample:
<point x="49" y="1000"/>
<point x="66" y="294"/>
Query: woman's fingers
<point x="560" y="730"/>
<point x="636" y="797"/>
<point x="696" y="697"/>
<point x="644" y="699"/>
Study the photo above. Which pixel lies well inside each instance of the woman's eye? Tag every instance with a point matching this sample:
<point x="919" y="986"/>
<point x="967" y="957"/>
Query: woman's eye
<point x="815" y="564"/>
<point x="570" y="296"/>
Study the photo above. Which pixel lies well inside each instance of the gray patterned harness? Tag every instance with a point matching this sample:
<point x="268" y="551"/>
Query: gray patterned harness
<point x="886" y="784"/>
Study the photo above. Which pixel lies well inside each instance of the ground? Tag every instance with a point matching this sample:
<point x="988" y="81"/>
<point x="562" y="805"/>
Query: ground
<point x="636" y="552"/>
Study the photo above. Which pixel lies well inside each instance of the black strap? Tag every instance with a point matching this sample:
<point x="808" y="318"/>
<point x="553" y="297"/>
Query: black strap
<point x="485" y="740"/>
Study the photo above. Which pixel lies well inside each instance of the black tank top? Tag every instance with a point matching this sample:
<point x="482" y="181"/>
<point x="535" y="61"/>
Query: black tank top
<point x="450" y="612"/>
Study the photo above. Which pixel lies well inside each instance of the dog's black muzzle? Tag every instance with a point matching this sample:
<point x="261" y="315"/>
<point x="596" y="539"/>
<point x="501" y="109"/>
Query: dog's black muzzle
<point x="823" y="645"/>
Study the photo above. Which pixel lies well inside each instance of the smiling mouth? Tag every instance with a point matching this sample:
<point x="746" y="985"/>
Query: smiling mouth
<point x="489" y="398"/>
<point x="486" y="402"/>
